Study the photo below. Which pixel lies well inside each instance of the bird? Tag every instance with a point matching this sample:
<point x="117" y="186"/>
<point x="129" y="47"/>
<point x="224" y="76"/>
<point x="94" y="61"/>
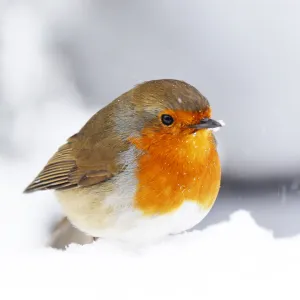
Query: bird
<point x="144" y="167"/>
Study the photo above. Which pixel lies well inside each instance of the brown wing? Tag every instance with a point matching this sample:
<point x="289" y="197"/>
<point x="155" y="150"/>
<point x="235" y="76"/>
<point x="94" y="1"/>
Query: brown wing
<point x="82" y="161"/>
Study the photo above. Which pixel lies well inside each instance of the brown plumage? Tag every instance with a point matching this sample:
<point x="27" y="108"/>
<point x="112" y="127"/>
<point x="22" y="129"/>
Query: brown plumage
<point x="90" y="156"/>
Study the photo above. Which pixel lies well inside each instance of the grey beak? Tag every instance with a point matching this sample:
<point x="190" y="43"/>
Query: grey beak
<point x="207" y="123"/>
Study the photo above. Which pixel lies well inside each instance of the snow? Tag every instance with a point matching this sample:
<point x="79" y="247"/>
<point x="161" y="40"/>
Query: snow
<point x="218" y="128"/>
<point x="232" y="259"/>
<point x="222" y="122"/>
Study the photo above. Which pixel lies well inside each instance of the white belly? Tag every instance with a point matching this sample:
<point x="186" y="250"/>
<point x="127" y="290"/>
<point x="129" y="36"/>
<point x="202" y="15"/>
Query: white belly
<point x="133" y="226"/>
<point x="125" y="223"/>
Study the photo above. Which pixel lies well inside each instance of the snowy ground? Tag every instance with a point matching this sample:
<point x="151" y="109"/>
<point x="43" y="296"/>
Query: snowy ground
<point x="234" y="260"/>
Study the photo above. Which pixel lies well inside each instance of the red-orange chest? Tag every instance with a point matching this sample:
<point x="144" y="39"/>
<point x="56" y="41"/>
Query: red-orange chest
<point x="169" y="176"/>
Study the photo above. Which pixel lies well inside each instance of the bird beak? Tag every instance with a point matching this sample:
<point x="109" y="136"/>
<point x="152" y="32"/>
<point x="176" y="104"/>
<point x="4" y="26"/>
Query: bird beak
<point x="207" y="124"/>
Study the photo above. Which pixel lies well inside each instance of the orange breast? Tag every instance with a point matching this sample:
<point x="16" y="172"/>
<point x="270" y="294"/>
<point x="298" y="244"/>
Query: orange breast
<point x="173" y="170"/>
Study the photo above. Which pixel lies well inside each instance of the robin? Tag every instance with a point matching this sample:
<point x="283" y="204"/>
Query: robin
<point x="143" y="167"/>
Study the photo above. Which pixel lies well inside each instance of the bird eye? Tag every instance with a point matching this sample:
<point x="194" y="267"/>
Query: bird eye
<point x="167" y="120"/>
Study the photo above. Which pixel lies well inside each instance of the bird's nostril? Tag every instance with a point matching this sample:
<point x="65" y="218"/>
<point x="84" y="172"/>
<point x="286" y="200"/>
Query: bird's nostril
<point x="203" y="121"/>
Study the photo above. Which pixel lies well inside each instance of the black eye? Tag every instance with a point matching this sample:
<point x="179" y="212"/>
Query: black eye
<point x="167" y="120"/>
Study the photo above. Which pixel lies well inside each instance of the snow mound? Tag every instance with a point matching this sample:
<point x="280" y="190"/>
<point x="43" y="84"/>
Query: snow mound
<point x="235" y="260"/>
